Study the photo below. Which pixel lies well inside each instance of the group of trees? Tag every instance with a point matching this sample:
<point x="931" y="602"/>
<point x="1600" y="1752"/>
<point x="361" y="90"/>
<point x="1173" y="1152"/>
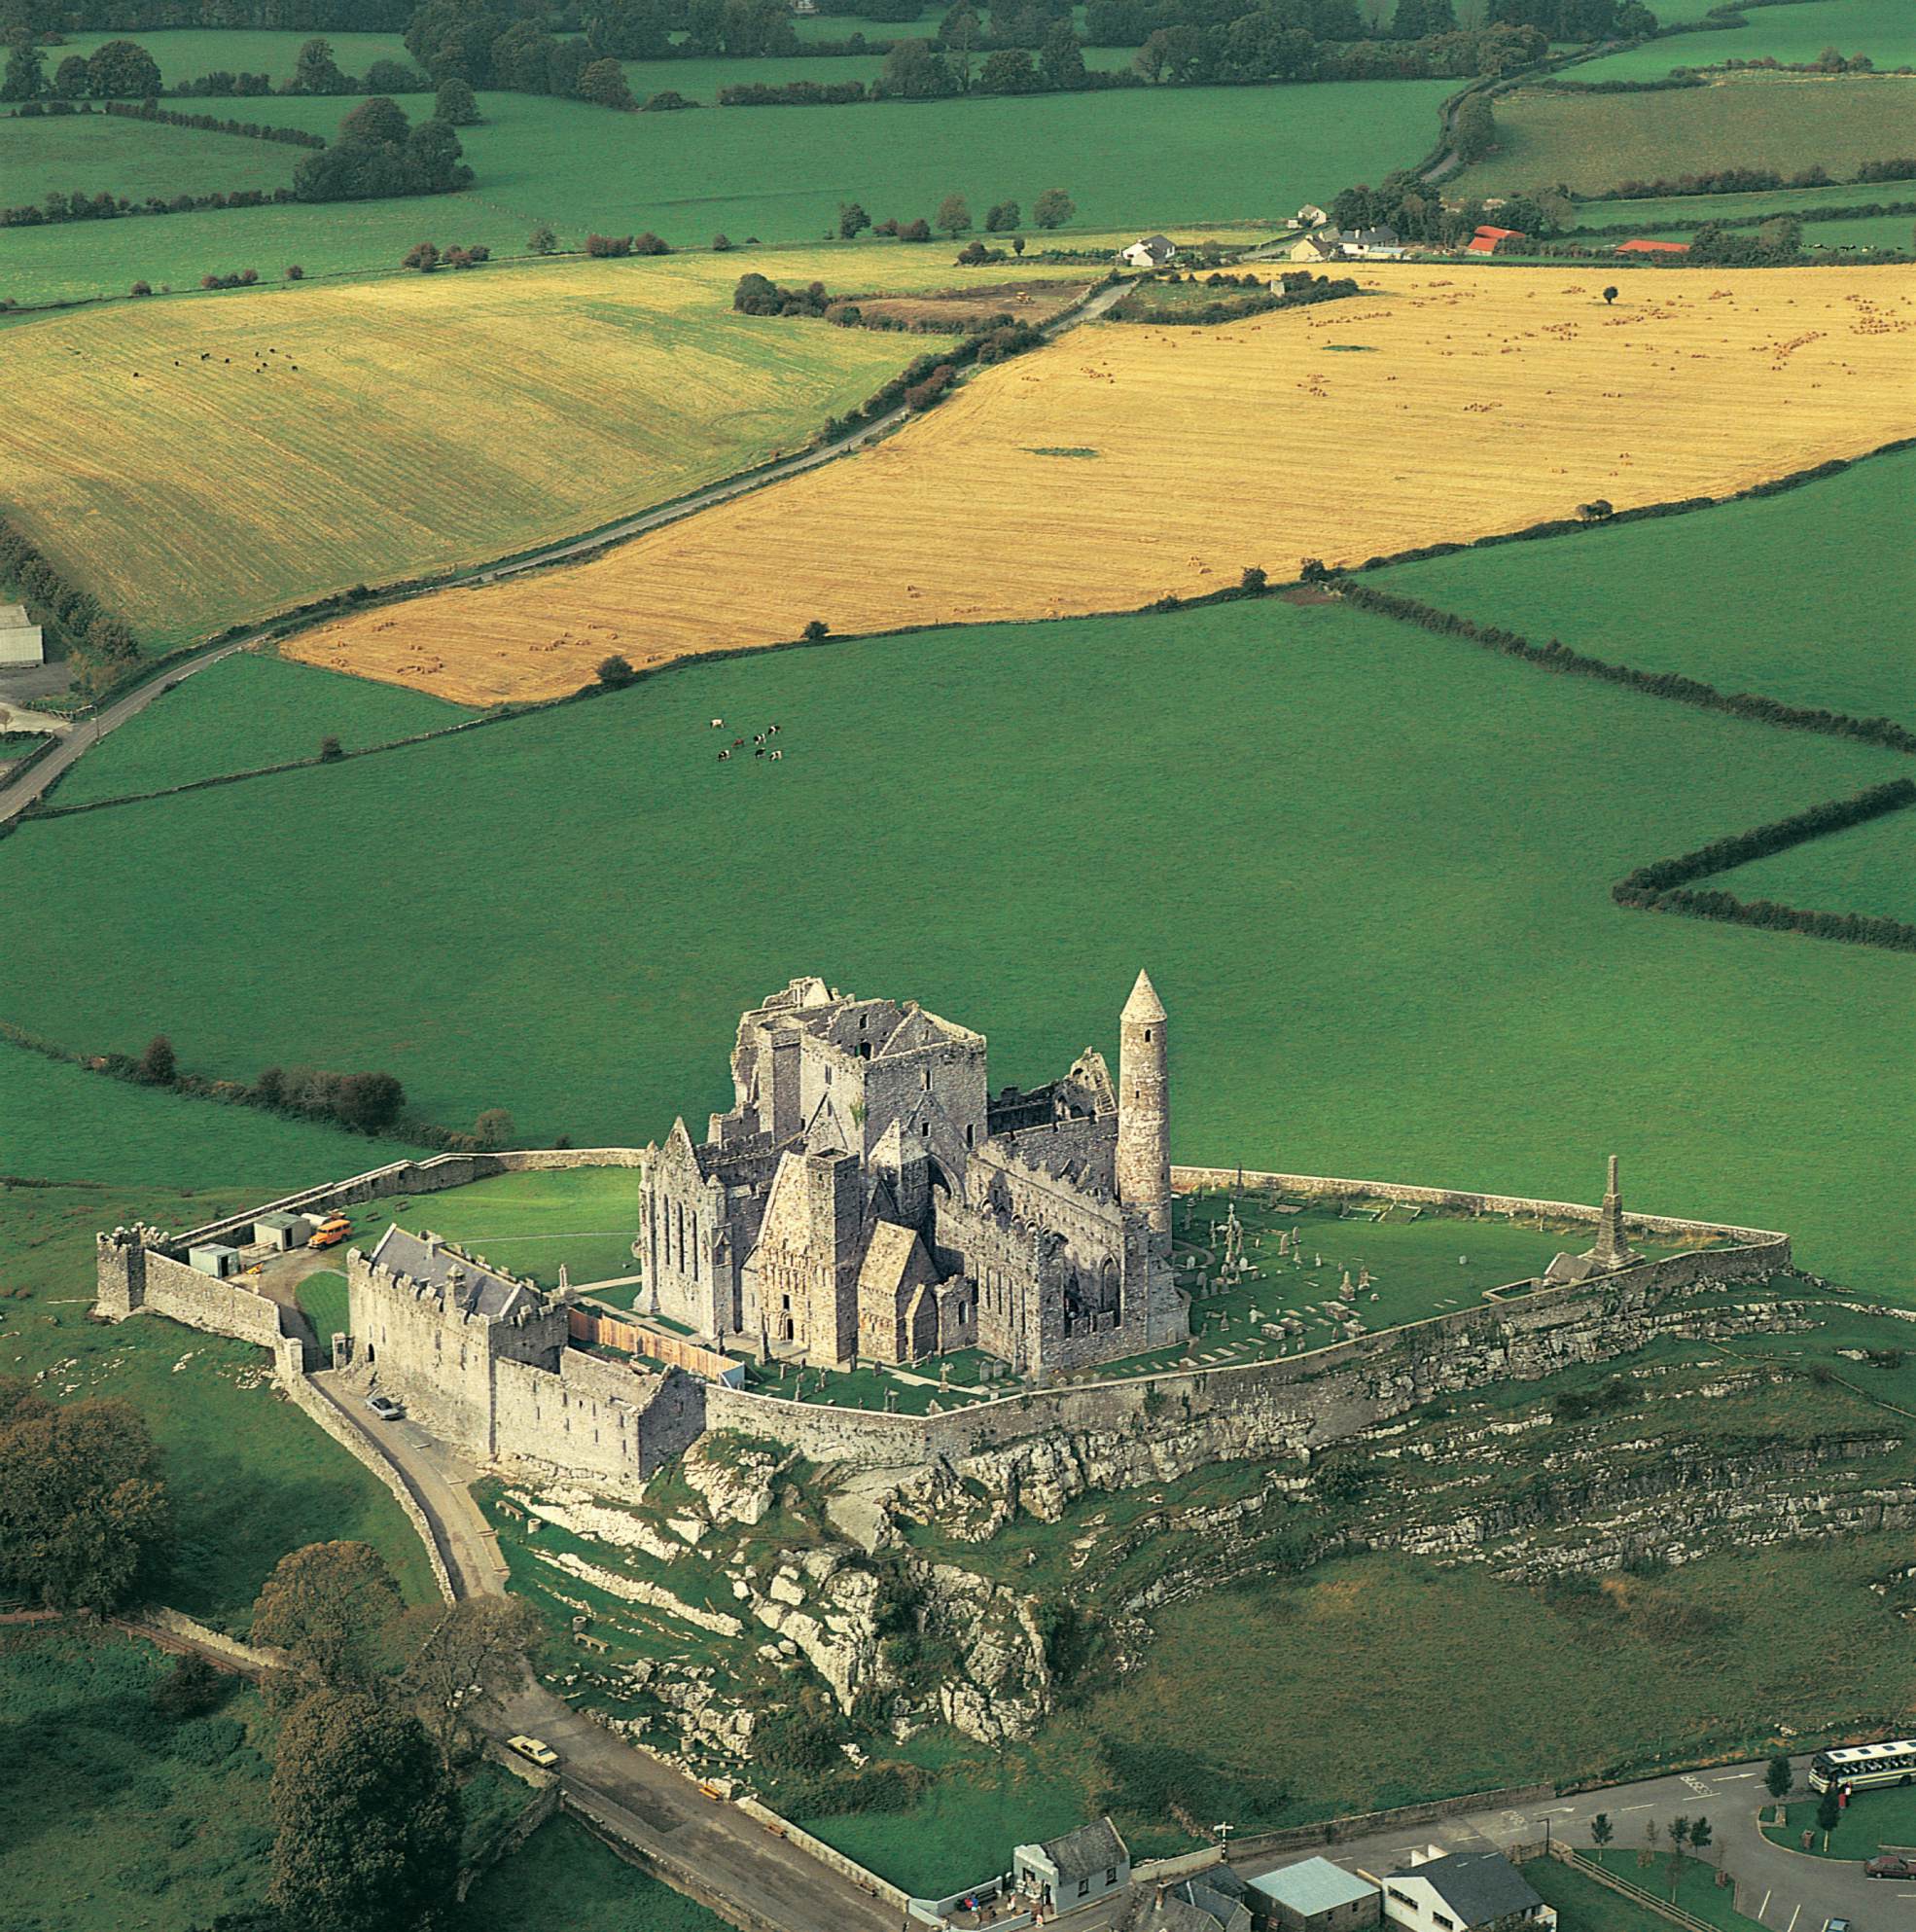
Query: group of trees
<point x="1778" y="239"/>
<point x="364" y="1102"/>
<point x="124" y="70"/>
<point x="76" y="627"/>
<point x="1052" y="209"/>
<point x="378" y="152"/>
<point x="85" y="1522"/>
<point x="1417" y="212"/>
<point x="376" y="1711"/>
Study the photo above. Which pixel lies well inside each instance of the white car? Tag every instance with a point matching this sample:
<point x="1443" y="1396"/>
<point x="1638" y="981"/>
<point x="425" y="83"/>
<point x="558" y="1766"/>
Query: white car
<point x="536" y="1749"/>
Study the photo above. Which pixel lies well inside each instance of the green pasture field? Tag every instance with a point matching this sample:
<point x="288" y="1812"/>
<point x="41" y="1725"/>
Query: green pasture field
<point x="63" y="1122"/>
<point x="1254" y="1685"/>
<point x="185" y="53"/>
<point x="1153" y="158"/>
<point x="110" y="154"/>
<point x="1682" y="214"/>
<point x="1376" y="900"/>
<point x="1883" y="30"/>
<point x="324" y="1301"/>
<point x="1594" y="142"/>
<point x="1868" y="868"/>
<point x="1585" y="1905"/>
<point x="1820" y="240"/>
<point x="1872" y="1822"/>
<point x="1698" y="593"/>
<point x="527" y="1224"/>
<point x="700" y="80"/>
<point x="242" y="712"/>
<point x="566" y="1881"/>
<point x="249" y="1476"/>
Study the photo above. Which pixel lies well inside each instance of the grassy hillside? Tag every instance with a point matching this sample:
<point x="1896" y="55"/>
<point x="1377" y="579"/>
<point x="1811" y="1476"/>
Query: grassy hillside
<point x="1698" y="593"/>
<point x="1132" y="160"/>
<point x="1596" y="141"/>
<point x="583" y="390"/>
<point x="1369" y="868"/>
<point x="1866" y="868"/>
<point x="109" y="154"/>
<point x="243" y="712"/>
<point x="184" y="54"/>
<point x="1883" y="30"/>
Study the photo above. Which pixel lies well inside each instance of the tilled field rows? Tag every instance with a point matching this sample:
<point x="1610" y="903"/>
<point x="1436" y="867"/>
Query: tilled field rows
<point x="1131" y="462"/>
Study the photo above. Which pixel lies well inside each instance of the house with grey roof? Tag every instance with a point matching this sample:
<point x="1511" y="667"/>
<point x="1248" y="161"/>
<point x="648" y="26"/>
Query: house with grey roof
<point x="1216" y="1900"/>
<point x="1150" y="251"/>
<point x="1314" y="1896"/>
<point x="1075" y="1870"/>
<point x="1436" y="1890"/>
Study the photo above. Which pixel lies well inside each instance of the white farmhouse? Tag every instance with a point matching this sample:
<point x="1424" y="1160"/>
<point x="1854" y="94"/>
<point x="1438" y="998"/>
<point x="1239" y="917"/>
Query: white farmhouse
<point x="1462" y="1891"/>
<point x="20" y="642"/>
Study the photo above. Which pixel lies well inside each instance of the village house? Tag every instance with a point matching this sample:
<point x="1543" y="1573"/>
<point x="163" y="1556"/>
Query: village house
<point x="1489" y="241"/>
<point x="1150" y="251"/>
<point x="1462" y="1891"/>
<point x="1327" y="245"/>
<point x="20" y="642"/>
<point x="1374" y="244"/>
<point x="1073" y="1870"/>
<point x="1216" y="1900"/>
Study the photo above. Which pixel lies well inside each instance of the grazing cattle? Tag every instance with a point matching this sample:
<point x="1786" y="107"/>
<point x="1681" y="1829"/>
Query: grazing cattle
<point x="718" y="724"/>
<point x="723" y="755"/>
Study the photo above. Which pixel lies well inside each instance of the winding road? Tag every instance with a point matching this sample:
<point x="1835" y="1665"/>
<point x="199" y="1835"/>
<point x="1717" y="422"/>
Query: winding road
<point x="33" y="784"/>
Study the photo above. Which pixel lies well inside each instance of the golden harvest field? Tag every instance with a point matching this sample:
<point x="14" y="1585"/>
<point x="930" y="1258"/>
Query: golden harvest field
<point x="1131" y="461"/>
<point x="206" y="459"/>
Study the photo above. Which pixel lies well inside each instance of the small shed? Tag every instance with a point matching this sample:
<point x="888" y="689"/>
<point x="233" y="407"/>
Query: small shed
<point x="20" y="641"/>
<point x="1314" y="1896"/>
<point x="1071" y="1871"/>
<point x="282" y="1231"/>
<point x="215" y="1258"/>
<point x="1489" y="241"/>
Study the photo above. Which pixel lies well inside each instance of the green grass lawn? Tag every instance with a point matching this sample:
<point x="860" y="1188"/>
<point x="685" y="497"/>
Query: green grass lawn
<point x="565" y="1880"/>
<point x="247" y="711"/>
<point x="1135" y="161"/>
<point x="1872" y="1821"/>
<point x="110" y="154"/>
<point x="1683" y="213"/>
<point x="185" y="53"/>
<point x="60" y="1122"/>
<point x="250" y="1478"/>
<point x="1583" y="1904"/>
<point x="1695" y="594"/>
<point x="1883" y="30"/>
<point x="1597" y="141"/>
<point x="527" y="1224"/>
<point x="1695" y="1890"/>
<point x="1457" y="1002"/>
<point x="324" y="1301"/>
<point x="1868" y="868"/>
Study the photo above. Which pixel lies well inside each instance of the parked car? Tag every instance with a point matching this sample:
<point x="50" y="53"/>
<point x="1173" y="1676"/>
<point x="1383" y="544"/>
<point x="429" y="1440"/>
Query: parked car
<point x="330" y="1233"/>
<point x="1838" y="1926"/>
<point x="1891" y="1865"/>
<point x="385" y="1408"/>
<point x="536" y="1749"/>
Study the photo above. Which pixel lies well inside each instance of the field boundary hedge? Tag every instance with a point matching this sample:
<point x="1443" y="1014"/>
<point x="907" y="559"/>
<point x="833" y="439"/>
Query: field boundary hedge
<point x="1663" y="884"/>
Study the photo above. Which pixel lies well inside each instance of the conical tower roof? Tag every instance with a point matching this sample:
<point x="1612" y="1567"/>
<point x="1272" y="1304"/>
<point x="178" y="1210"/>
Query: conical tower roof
<point x="1143" y="1003"/>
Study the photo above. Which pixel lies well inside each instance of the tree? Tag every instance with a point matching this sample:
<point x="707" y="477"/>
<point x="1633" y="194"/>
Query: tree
<point x="1602" y="1831"/>
<point x="393" y="77"/>
<point x="603" y="84"/>
<point x="1475" y="131"/>
<point x="328" y="1606"/>
<point x="853" y="221"/>
<point x="1700" y="1835"/>
<point x="1673" y="1871"/>
<point x="423" y="255"/>
<point x="1780" y="1777"/>
<point x="1061" y="59"/>
<point x="1678" y="1830"/>
<point x="469" y="1658"/>
<point x="1054" y="209"/>
<point x="542" y="240"/>
<point x="1010" y="70"/>
<point x="369" y="1101"/>
<point x="294" y="272"/>
<point x="615" y="672"/>
<point x="1647" y="1852"/>
<point x="122" y="70"/>
<point x="454" y="104"/>
<point x="1610" y="295"/>
<point x="85" y="1518"/>
<point x="915" y="231"/>
<point x="26" y="73"/>
<point x="1781" y="238"/>
<point x="816" y="631"/>
<point x="316" y="72"/>
<point x="954" y="216"/>
<point x="375" y="123"/>
<point x="493" y="1127"/>
<point x="366" y="1816"/>
<point x="1829" y="1811"/>
<point x="915" y="70"/>
<point x="72" y="78"/>
<point x="1254" y="578"/>
<point x="158" y="1066"/>
<point x="190" y="1688"/>
<point x="1017" y="244"/>
<point x="331" y="750"/>
<point x="1002" y="217"/>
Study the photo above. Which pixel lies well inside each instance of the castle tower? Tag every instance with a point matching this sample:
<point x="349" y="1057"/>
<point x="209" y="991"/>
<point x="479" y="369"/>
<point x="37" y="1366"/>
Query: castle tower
<point x="1144" y="1108"/>
<point x="1611" y="1249"/>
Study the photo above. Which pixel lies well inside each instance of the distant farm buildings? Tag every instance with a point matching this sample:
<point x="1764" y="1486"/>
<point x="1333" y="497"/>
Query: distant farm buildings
<point x="1488" y="240"/>
<point x="1640" y="246"/>
<point x="20" y="642"/>
<point x="1150" y="251"/>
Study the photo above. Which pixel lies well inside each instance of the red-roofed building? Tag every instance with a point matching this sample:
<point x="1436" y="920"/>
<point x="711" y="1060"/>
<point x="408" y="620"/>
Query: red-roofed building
<point x="1642" y="247"/>
<point x="1488" y="240"/>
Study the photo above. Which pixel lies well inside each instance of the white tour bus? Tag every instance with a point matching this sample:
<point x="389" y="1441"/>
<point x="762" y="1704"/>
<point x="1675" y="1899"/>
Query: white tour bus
<point x="1859" y="1766"/>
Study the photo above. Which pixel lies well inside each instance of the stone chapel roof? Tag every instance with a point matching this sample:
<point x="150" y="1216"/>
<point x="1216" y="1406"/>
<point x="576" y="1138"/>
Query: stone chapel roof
<point x="482" y="1290"/>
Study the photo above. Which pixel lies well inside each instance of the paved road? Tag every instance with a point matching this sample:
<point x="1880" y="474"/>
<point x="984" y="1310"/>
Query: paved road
<point x="32" y="786"/>
<point x="647" y="1802"/>
<point x="1786" y="1891"/>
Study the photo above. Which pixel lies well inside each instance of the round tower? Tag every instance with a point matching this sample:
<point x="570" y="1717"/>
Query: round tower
<point x="1144" y="1108"/>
